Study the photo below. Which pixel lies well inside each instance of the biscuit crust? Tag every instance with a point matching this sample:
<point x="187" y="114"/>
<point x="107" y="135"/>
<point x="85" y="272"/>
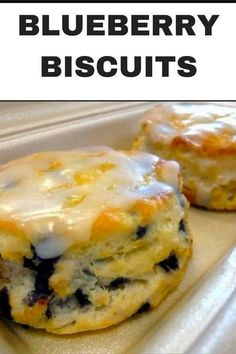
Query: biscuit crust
<point x="202" y="139"/>
<point x="89" y="237"/>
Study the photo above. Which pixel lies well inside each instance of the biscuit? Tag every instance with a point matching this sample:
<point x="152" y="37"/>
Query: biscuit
<point x="202" y="139"/>
<point x="90" y="237"/>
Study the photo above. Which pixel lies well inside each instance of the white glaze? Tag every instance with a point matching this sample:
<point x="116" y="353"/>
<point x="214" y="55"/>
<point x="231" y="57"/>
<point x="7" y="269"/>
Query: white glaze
<point x="38" y="204"/>
<point x="50" y="246"/>
<point x="192" y="122"/>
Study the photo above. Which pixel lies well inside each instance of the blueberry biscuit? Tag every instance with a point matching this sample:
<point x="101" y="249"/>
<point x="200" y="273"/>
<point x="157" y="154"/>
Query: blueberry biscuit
<point x="202" y="139"/>
<point x="89" y="237"/>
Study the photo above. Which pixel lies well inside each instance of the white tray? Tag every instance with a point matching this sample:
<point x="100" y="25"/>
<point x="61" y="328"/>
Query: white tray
<point x="198" y="317"/>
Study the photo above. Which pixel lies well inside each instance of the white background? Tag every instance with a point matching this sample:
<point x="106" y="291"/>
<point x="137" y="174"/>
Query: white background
<point x="20" y="58"/>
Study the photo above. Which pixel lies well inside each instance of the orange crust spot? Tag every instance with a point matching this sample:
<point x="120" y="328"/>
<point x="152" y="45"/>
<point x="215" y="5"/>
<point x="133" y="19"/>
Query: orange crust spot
<point x="160" y="169"/>
<point x="34" y="315"/>
<point x="208" y="145"/>
<point x="11" y="228"/>
<point x="93" y="174"/>
<point x="190" y="195"/>
<point x="111" y="222"/>
<point x="147" y="208"/>
<point x="52" y="166"/>
<point x="13" y="241"/>
<point x="73" y="200"/>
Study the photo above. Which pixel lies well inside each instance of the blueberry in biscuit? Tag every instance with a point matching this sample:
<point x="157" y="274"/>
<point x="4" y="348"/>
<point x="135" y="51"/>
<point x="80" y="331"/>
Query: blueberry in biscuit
<point x="89" y="238"/>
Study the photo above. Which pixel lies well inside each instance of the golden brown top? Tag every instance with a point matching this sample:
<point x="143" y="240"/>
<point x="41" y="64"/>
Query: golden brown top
<point x="58" y="199"/>
<point x="209" y="128"/>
